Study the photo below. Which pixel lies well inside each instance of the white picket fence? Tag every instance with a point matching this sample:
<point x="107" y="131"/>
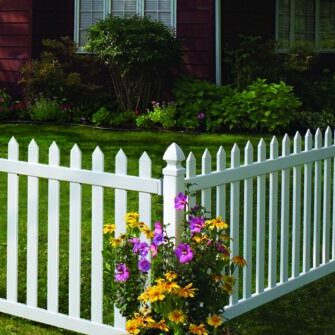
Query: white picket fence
<point x="301" y="204"/>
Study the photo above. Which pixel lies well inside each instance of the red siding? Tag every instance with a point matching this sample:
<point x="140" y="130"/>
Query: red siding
<point x="15" y="39"/>
<point x="195" y="29"/>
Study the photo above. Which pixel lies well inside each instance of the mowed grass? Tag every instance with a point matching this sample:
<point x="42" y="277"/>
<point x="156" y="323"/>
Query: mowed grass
<point x="306" y="311"/>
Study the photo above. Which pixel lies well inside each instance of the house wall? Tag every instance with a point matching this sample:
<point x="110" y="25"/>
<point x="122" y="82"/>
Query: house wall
<point x="51" y="19"/>
<point x="15" y="39"/>
<point x="195" y="29"/>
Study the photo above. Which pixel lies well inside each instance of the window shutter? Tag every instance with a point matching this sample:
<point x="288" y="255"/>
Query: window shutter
<point x="90" y="11"/>
<point x="327" y="24"/>
<point x="160" y="10"/>
<point x="123" y="8"/>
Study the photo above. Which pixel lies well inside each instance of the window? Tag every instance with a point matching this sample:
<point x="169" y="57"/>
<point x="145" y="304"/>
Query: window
<point x="87" y="12"/>
<point x="306" y="22"/>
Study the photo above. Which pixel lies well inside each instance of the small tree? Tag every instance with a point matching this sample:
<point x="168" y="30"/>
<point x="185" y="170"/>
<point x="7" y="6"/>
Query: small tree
<point x="140" y="54"/>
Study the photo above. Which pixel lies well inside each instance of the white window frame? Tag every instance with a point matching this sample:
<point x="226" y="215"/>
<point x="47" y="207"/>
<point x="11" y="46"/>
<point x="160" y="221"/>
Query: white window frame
<point x="107" y="11"/>
<point x="292" y="24"/>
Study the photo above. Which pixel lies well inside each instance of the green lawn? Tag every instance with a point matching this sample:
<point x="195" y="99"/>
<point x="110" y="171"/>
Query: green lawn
<point x="306" y="311"/>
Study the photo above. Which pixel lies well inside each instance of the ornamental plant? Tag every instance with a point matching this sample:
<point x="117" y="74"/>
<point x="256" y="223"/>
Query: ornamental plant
<point x="164" y="286"/>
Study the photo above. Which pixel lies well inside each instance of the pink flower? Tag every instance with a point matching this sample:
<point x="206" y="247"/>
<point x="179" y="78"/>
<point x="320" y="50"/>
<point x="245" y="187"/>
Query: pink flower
<point x="184" y="253"/>
<point x="180" y="202"/>
<point x="154" y="250"/>
<point x="122" y="273"/>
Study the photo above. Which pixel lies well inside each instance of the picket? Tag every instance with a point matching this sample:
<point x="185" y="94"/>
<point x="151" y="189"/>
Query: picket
<point x="285" y="211"/>
<point x="53" y="233"/>
<point x="326" y="201"/>
<point x="317" y="203"/>
<point x="221" y="189"/>
<point x="273" y="217"/>
<point x="97" y="241"/>
<point x="32" y="229"/>
<point x="295" y="204"/>
<point x="12" y="224"/>
<point x="247" y="224"/>
<point x="234" y="218"/>
<point x="75" y="237"/>
<point x="307" y="206"/>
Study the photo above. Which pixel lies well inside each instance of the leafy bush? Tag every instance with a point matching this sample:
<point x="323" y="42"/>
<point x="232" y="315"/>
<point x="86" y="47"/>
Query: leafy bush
<point x="162" y="115"/>
<point x="104" y="117"/>
<point x="197" y="100"/>
<point x="261" y="106"/>
<point x="64" y="74"/>
<point x="312" y="120"/>
<point x="43" y="109"/>
<point x="139" y="52"/>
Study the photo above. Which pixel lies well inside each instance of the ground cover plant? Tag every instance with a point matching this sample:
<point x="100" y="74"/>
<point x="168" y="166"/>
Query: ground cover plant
<point x="306" y="311"/>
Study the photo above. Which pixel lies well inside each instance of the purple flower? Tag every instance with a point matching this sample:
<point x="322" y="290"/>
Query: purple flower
<point x="184" y="253"/>
<point x="154" y="250"/>
<point x="180" y="202"/>
<point x="201" y="116"/>
<point x="222" y="248"/>
<point x="121" y="273"/>
<point x="141" y="248"/>
<point x="144" y="265"/>
<point x="158" y="239"/>
<point x="158" y="228"/>
<point x="196" y="224"/>
<point x="134" y="240"/>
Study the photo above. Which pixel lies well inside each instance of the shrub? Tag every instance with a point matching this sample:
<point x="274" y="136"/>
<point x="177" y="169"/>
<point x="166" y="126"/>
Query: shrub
<point x="262" y="106"/>
<point x="312" y="120"/>
<point x="139" y="52"/>
<point x="162" y="115"/>
<point x="197" y="100"/>
<point x="43" y="109"/>
<point x="64" y="74"/>
<point x="104" y="117"/>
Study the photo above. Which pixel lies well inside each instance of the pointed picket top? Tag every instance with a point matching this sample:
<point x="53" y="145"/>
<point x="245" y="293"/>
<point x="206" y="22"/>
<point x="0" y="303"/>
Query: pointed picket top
<point x="191" y="165"/>
<point x="308" y="140"/>
<point x="261" y="150"/>
<point x="248" y="153"/>
<point x="54" y="154"/>
<point x="235" y="156"/>
<point x="286" y="145"/>
<point x="75" y="157"/>
<point x="221" y="159"/>
<point x="121" y="162"/>
<point x="145" y="165"/>
<point x="174" y="153"/>
<point x="33" y="152"/>
<point x="206" y="162"/>
<point x="274" y="148"/>
<point x="297" y="143"/>
<point x="318" y="139"/>
<point x="13" y="149"/>
<point x="328" y="137"/>
<point x="98" y="159"/>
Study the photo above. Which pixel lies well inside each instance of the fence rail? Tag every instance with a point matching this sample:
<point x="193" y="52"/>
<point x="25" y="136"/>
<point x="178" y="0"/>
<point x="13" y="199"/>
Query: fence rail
<point x="281" y="210"/>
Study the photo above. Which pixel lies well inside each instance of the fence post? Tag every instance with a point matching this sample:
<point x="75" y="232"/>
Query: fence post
<point x="173" y="184"/>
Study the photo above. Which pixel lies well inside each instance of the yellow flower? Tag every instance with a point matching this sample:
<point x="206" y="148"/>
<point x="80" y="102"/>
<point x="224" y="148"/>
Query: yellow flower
<point x="200" y="238"/>
<point x="228" y="285"/>
<point x="132" y="219"/>
<point x="170" y="276"/>
<point x="218" y="278"/>
<point x="169" y="287"/>
<point x="155" y="294"/>
<point x="187" y="291"/>
<point x="214" y="321"/>
<point x="132" y="327"/>
<point x="217" y="223"/>
<point x="115" y="242"/>
<point x="161" y="325"/>
<point x="146" y="230"/>
<point x="144" y="296"/>
<point x="109" y="228"/>
<point x="177" y="316"/>
<point x="240" y="261"/>
<point x="198" y="330"/>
